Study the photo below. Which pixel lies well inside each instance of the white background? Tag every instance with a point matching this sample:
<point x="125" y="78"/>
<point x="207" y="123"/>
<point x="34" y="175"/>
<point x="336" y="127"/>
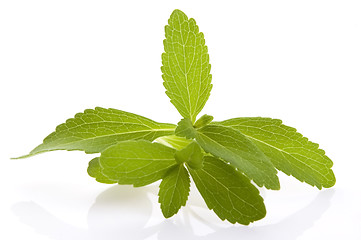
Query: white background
<point x="294" y="60"/>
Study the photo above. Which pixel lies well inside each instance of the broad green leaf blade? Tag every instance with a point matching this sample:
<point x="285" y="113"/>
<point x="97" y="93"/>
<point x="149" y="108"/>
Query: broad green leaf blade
<point x="229" y="193"/>
<point x="186" y="68"/>
<point x="288" y="150"/>
<point x="136" y="162"/>
<point x="192" y="155"/>
<point x="95" y="171"/>
<point x="185" y="129"/>
<point x="232" y="146"/>
<point x="95" y="130"/>
<point x="174" y="190"/>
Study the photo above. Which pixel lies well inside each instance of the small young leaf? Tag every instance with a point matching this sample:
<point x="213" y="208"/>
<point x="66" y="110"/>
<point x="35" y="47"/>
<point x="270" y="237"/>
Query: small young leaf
<point x="192" y="155"/>
<point x="203" y="121"/>
<point x="174" y="141"/>
<point x="95" y="171"/>
<point x="186" y="68"/>
<point x="95" y="130"/>
<point x="185" y="129"/>
<point x="228" y="192"/>
<point x="232" y="146"/>
<point x="288" y="150"/>
<point x="174" y="190"/>
<point x="137" y="162"/>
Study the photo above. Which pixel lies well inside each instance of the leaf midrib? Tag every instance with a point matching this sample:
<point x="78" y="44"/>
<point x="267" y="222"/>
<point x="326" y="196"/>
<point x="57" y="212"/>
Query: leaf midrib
<point x="281" y="150"/>
<point x="175" y="187"/>
<point x="63" y="145"/>
<point x="287" y="153"/>
<point x="112" y="122"/>
<point x="251" y="162"/>
<point x="246" y="203"/>
<point x="120" y="133"/>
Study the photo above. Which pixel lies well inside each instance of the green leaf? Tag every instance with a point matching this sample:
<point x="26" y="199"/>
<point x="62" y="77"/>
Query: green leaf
<point x="288" y="150"/>
<point x="95" y="171"/>
<point x="186" y="68"/>
<point x="174" y="141"/>
<point x="203" y="121"/>
<point x="185" y="129"/>
<point x="228" y="192"/>
<point x="137" y="162"/>
<point x="95" y="130"/>
<point x="174" y="190"/>
<point x="232" y="146"/>
<point x="192" y="155"/>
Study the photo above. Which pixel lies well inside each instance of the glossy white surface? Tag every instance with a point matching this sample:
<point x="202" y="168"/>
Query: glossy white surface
<point x="297" y="61"/>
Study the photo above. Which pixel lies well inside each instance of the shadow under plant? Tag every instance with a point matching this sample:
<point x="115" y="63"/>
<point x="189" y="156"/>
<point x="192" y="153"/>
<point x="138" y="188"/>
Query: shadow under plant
<point x="122" y="212"/>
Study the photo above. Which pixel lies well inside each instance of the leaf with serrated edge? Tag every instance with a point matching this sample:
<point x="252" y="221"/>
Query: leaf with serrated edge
<point x="95" y="171"/>
<point x="185" y="129"/>
<point x="186" y="68"/>
<point x="95" y="130"/>
<point x="288" y="150"/>
<point x="174" y="190"/>
<point x="228" y="192"/>
<point x="232" y="146"/>
<point x="136" y="162"/>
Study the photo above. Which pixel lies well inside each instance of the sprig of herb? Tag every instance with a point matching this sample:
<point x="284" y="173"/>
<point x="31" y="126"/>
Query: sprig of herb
<point x="221" y="157"/>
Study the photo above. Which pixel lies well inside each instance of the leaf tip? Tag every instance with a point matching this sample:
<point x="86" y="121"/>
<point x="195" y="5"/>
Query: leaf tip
<point x="177" y="12"/>
<point x="331" y="180"/>
<point x="167" y="215"/>
<point x="21" y="157"/>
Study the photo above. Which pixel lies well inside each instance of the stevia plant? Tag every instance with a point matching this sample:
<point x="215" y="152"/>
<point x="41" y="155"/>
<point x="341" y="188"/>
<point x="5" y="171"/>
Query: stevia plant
<point x="221" y="157"/>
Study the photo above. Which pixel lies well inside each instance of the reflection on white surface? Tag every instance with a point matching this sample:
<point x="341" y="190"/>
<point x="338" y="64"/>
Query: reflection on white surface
<point x="122" y="212"/>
